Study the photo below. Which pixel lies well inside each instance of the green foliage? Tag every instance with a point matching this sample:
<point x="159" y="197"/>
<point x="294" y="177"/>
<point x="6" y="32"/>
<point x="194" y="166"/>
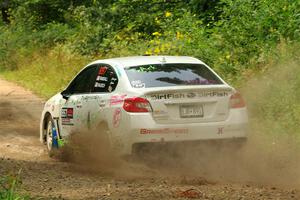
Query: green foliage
<point x="249" y="29"/>
<point x="232" y="36"/>
<point x="51" y="70"/>
<point x="9" y="186"/>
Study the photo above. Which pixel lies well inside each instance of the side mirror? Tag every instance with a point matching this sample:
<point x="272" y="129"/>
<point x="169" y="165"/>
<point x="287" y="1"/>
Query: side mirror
<point x="65" y="94"/>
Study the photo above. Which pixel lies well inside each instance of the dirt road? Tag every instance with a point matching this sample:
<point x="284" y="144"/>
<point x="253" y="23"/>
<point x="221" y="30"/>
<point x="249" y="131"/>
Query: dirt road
<point x="52" y="179"/>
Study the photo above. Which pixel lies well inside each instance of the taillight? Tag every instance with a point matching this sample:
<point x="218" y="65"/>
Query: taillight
<point x="137" y="104"/>
<point x="237" y="101"/>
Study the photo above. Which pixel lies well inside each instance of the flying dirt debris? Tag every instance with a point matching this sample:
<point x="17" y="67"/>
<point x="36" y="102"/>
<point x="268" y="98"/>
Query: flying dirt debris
<point x="263" y="169"/>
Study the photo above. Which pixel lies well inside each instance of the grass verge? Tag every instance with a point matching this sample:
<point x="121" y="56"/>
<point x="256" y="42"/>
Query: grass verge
<point x="48" y="72"/>
<point x="9" y="187"/>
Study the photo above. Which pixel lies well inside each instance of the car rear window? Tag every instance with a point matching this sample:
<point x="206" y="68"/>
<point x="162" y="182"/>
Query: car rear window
<point x="162" y="75"/>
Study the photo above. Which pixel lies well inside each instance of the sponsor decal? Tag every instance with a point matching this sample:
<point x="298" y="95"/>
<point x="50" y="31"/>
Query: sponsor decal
<point x="213" y="94"/>
<point x="220" y="131"/>
<point x="189" y="95"/>
<point x="112" y="83"/>
<point x="102" y="103"/>
<point x="109" y="88"/>
<point x="149" y="68"/>
<point x="168" y="96"/>
<point x="117" y="99"/>
<point x="138" y="84"/>
<point x="67" y="115"/>
<point x="117" y="117"/>
<point x="88" y="97"/>
<point x="102" y="70"/>
<point x="102" y="78"/>
<point x="164" y="131"/>
<point x="197" y="81"/>
<point x="66" y="121"/>
<point x="99" y="85"/>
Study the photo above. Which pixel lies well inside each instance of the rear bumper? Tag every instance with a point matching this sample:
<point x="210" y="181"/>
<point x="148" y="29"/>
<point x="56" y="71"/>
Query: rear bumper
<point x="141" y="148"/>
<point x="143" y="129"/>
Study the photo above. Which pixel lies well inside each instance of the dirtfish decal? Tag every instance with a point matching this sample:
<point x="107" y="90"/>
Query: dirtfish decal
<point x="168" y="96"/>
<point x="189" y="95"/>
<point x="164" y="131"/>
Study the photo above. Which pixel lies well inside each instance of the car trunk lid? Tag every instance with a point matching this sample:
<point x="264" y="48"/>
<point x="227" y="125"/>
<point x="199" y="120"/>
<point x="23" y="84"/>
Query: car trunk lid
<point x="192" y="104"/>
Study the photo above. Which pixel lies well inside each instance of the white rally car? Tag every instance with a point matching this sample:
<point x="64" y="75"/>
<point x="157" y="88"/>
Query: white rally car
<point x="146" y="100"/>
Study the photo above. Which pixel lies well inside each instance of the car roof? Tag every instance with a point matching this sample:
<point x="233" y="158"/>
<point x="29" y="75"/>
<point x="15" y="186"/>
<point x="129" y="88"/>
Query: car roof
<point x="143" y="60"/>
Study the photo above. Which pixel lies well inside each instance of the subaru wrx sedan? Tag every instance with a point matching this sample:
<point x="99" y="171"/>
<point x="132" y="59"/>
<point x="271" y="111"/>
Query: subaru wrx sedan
<point x="146" y="100"/>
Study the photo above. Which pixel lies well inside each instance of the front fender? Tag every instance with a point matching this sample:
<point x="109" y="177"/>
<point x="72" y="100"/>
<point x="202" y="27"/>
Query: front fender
<point x="51" y="108"/>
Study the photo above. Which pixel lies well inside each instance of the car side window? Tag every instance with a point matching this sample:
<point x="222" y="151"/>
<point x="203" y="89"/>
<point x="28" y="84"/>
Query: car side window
<point x="106" y="80"/>
<point x="84" y="81"/>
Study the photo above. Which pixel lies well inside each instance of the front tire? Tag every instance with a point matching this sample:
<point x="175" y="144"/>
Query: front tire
<point x="50" y="136"/>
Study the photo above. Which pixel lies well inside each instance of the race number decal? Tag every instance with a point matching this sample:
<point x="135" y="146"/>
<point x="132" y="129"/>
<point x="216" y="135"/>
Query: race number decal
<point x="102" y="70"/>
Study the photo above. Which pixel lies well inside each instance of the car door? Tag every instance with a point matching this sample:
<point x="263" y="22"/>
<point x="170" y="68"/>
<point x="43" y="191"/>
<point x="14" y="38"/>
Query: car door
<point x="97" y="103"/>
<point x="72" y="109"/>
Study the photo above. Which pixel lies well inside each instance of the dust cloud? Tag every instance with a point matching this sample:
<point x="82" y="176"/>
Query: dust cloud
<point x="12" y="120"/>
<point x="89" y="152"/>
<point x="270" y="156"/>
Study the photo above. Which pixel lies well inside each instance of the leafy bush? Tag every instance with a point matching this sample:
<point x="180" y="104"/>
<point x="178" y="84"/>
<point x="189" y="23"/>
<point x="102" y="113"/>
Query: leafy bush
<point x="248" y="30"/>
<point x="232" y="36"/>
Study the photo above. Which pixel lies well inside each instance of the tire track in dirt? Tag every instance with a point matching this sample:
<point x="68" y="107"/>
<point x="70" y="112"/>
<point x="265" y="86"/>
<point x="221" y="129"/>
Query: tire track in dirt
<point x="51" y="179"/>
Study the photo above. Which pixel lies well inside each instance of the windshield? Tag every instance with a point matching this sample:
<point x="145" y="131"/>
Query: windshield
<point x="162" y="75"/>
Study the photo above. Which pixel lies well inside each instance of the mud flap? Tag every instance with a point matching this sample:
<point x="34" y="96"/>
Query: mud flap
<point x="58" y="142"/>
<point x="54" y="138"/>
<point x="61" y="142"/>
